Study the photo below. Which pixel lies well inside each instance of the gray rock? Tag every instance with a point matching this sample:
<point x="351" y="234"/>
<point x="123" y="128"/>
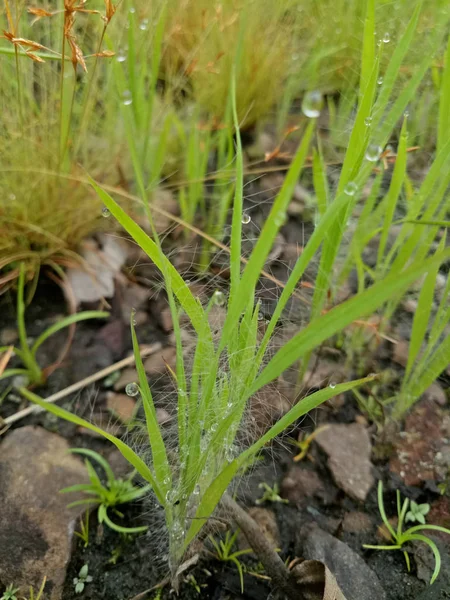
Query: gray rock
<point x="356" y="580"/>
<point x="348" y="448"/>
<point x="36" y="527"/>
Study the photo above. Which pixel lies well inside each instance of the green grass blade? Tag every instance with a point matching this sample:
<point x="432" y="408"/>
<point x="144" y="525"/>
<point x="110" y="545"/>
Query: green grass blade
<point x="341" y="316"/>
<point x="320" y="180"/>
<point x="161" y="466"/>
<point x="444" y="102"/>
<point x="125" y="450"/>
<point x="211" y="499"/>
<point x="382" y="510"/>
<point x="434" y="548"/>
<point x="236" y="225"/>
<point x="300" y="409"/>
<point x="190" y="305"/>
<point x="266" y="239"/>
<point x="83" y="316"/>
<point x="98" y="458"/>
<point x="421" y="318"/>
<point x="368" y="50"/>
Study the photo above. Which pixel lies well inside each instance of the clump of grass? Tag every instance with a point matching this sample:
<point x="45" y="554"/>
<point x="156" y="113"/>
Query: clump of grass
<point x="202" y="39"/>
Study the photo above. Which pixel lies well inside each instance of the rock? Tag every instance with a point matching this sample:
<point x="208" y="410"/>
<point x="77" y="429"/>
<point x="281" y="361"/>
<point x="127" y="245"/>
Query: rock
<point x="8" y="336"/>
<point x="121" y="405"/>
<point x="356" y="580"/>
<point x="165" y="319"/>
<point x="357" y="522"/>
<point x="156" y="364"/>
<point x="96" y="280"/>
<point x="162" y="416"/>
<point x="301" y="484"/>
<point x="267" y="523"/>
<point x="400" y="353"/>
<point x="435" y="393"/>
<point x="134" y="296"/>
<point x="128" y="375"/>
<point x="36" y="527"/>
<point x="348" y="448"/>
<point x="416" y="448"/>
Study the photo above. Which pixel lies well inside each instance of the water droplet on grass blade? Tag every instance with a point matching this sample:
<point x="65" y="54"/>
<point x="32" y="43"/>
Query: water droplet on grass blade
<point x="143" y="25"/>
<point x="386" y="38"/>
<point x="380" y="80"/>
<point x="246" y="218"/>
<point x="132" y="389"/>
<point x="105" y="212"/>
<point x="368" y="121"/>
<point x="127" y="98"/>
<point x="260" y="316"/>
<point x="312" y="104"/>
<point x="332" y="385"/>
<point x="350" y="188"/>
<point x="373" y="152"/>
<point x="121" y="55"/>
<point x="219" y="298"/>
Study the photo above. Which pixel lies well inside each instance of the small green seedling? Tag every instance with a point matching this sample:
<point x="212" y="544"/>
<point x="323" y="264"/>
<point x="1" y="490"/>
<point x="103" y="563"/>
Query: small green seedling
<point x="83" y="534"/>
<point x="400" y="538"/>
<point x="115" y="492"/>
<point x="305" y="442"/>
<point x="417" y="512"/>
<point x="10" y="593"/>
<point x="224" y="553"/>
<point x="82" y="579"/>
<point x="31" y="369"/>
<point x="271" y="494"/>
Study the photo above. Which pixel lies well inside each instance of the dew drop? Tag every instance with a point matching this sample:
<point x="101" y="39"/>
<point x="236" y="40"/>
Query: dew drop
<point x="132" y="389"/>
<point x="380" y="80"/>
<point x="121" y="56"/>
<point x="406" y="114"/>
<point x="143" y="25"/>
<point x="181" y="393"/>
<point x="312" y="104"/>
<point x="332" y="385"/>
<point x="196" y="491"/>
<point x="246" y="218"/>
<point x="386" y="38"/>
<point x="260" y="316"/>
<point x="350" y="188"/>
<point x="166" y="480"/>
<point x="368" y="121"/>
<point x="105" y="212"/>
<point x="214" y="427"/>
<point x="229" y="454"/>
<point x="219" y="298"/>
<point x="127" y="98"/>
<point x="132" y="10"/>
<point x="373" y="152"/>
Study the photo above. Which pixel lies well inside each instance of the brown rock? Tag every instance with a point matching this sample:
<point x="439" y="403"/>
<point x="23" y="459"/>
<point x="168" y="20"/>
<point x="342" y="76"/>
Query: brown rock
<point x="134" y="297"/>
<point x="36" y="527"/>
<point x="267" y="523"/>
<point x="348" y="448"/>
<point x="121" y="405"/>
<point x="156" y="364"/>
<point x="436" y="394"/>
<point x="300" y="484"/>
<point x="415" y="449"/>
<point x="357" y="522"/>
<point x="128" y="375"/>
<point x="8" y="336"/>
<point x="400" y="353"/>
